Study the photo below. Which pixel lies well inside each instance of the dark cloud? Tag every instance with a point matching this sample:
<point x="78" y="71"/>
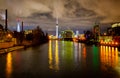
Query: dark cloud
<point x="109" y="9"/>
<point x="41" y="15"/>
<point x="70" y="12"/>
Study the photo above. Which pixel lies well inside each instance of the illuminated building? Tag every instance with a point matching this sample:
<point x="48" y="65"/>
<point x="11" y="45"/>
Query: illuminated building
<point x="112" y="38"/>
<point x="67" y="34"/>
<point x="77" y="33"/>
<point x="109" y="31"/>
<point x="18" y="25"/>
<point x="28" y="31"/>
<point x="96" y="31"/>
<point x="82" y="37"/>
<point x="116" y="29"/>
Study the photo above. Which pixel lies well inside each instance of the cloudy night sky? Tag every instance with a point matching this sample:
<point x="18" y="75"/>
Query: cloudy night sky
<point x="72" y="14"/>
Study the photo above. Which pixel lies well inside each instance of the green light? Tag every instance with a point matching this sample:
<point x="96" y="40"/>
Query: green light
<point x="68" y="54"/>
<point x="95" y="56"/>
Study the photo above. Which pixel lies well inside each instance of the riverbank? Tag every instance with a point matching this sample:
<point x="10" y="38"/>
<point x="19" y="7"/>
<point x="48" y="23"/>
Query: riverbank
<point x="10" y="49"/>
<point x="6" y="47"/>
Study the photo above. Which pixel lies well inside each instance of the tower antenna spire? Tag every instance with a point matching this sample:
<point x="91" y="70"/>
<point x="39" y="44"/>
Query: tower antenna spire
<point x="57" y="20"/>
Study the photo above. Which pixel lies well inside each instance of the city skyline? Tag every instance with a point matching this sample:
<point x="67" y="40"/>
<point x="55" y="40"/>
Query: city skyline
<point x="72" y="14"/>
<point x="59" y="38"/>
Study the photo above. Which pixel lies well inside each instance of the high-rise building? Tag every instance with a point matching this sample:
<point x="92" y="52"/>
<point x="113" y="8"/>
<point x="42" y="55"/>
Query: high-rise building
<point x="18" y="25"/>
<point x="77" y="33"/>
<point x="96" y="31"/>
<point x="57" y="28"/>
<point x="109" y="31"/>
<point x="116" y="29"/>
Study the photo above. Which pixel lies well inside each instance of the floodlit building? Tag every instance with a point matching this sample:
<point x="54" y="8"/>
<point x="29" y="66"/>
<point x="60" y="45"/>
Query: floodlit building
<point x="67" y="35"/>
<point x="96" y="31"/>
<point x="77" y="34"/>
<point x="116" y="29"/>
<point x="18" y="25"/>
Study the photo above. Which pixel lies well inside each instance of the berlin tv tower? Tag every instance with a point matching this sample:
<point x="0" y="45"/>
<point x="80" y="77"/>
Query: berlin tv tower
<point x="57" y="27"/>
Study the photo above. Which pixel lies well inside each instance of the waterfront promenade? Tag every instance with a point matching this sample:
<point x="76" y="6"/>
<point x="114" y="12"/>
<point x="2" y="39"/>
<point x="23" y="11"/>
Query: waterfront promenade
<point x="10" y="49"/>
<point x="6" y="44"/>
<point x="6" y="47"/>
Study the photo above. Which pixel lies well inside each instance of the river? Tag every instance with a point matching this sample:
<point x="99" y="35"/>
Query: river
<point x="61" y="59"/>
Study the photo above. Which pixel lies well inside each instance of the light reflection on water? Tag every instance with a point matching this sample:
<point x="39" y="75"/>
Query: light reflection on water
<point x="50" y="56"/>
<point x="62" y="58"/>
<point x="71" y="54"/>
<point x="53" y="56"/>
<point x="109" y="56"/>
<point x="56" y="56"/>
<point x="9" y="65"/>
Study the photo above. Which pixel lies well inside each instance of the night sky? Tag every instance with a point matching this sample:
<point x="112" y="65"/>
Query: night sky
<point x="72" y="14"/>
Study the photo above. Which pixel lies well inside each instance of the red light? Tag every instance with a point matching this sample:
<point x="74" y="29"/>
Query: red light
<point x="116" y="43"/>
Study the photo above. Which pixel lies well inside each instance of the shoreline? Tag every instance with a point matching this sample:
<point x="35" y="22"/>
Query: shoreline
<point x="10" y="49"/>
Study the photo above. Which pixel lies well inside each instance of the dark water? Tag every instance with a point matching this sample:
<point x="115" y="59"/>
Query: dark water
<point x="61" y="59"/>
